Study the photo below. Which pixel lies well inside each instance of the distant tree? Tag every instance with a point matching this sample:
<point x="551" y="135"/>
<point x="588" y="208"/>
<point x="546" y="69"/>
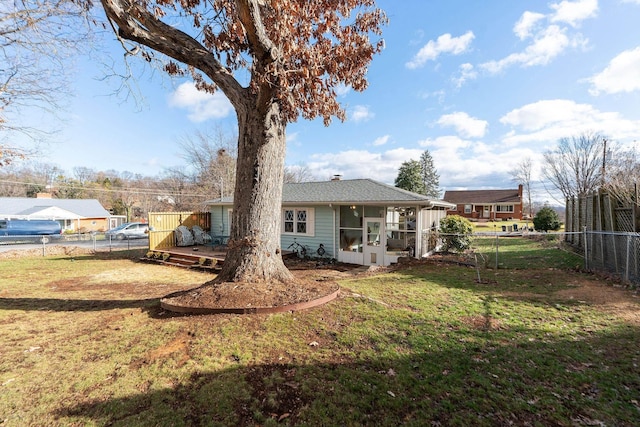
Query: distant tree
<point x="211" y="157"/>
<point x="430" y="177"/>
<point x="455" y="232"/>
<point x="623" y="176"/>
<point x="37" y="37"/>
<point x="546" y="219"/>
<point x="298" y="173"/>
<point x="521" y="174"/>
<point x="574" y="167"/>
<point x="410" y="177"/>
<point x="274" y="61"/>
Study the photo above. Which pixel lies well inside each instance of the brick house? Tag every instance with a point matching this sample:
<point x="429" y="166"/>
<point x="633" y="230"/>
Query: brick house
<point x="487" y="204"/>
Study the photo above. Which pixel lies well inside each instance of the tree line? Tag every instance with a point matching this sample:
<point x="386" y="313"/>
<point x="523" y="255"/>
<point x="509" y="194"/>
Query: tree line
<point x="208" y="173"/>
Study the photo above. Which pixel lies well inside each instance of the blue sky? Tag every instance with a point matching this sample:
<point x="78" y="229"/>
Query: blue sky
<point x="481" y="85"/>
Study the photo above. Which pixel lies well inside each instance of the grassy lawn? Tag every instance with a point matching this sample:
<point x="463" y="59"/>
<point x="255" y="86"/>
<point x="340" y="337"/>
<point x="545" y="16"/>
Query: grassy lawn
<point x="84" y="342"/>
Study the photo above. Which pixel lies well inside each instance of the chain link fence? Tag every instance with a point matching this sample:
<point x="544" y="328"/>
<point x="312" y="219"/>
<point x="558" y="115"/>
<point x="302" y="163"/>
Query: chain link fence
<point x="615" y="253"/>
<point x="93" y="241"/>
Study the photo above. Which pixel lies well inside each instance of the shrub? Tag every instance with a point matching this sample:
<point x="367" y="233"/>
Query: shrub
<point x="456" y="233"/>
<point x="546" y="219"/>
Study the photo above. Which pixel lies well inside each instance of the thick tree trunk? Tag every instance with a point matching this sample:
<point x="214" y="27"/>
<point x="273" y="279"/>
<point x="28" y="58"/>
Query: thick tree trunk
<point x="254" y="246"/>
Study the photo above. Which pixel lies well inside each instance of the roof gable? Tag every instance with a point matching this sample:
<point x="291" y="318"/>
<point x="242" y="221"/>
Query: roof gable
<point x="25" y="206"/>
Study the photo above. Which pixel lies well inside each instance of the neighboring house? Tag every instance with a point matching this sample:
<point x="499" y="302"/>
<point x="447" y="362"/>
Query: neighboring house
<point x="358" y="221"/>
<point x="77" y="215"/>
<point x="486" y="204"/>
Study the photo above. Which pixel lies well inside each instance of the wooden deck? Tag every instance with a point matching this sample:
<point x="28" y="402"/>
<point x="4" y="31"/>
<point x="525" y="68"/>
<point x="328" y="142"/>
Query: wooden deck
<point x="201" y="256"/>
<point x="205" y="257"/>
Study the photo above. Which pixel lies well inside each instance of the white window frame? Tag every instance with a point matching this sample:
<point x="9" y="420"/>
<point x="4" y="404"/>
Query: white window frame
<point x="468" y="209"/>
<point x="505" y="208"/>
<point x="310" y="221"/>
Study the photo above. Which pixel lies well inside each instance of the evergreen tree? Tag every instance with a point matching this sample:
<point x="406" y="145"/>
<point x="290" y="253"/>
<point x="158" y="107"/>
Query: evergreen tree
<point x="430" y="177"/>
<point x="547" y="219"/>
<point x="410" y="177"/>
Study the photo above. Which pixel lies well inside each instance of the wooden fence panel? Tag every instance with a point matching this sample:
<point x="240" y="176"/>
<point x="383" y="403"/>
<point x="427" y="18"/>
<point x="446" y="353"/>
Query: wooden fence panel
<point x="163" y="224"/>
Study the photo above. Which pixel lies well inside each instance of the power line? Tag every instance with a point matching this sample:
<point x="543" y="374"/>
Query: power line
<point x="142" y="191"/>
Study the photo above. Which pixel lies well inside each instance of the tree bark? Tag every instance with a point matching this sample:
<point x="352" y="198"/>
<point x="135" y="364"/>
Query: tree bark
<point x="254" y="246"/>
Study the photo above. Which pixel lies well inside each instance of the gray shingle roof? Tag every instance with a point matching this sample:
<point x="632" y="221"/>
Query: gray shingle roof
<point x="361" y="191"/>
<point x="86" y="208"/>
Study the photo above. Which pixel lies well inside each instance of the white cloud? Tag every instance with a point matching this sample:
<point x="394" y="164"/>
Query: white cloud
<point x="353" y="164"/>
<point x="573" y="12"/>
<point x="469" y="164"/>
<point x="292" y="139"/>
<point x="465" y="125"/>
<point x="201" y="105"/>
<point x="342" y="90"/>
<point x="548" y="44"/>
<point x="381" y="140"/>
<point x="466" y="73"/>
<point x="546" y="41"/>
<point x="621" y="75"/>
<point x="444" y="44"/>
<point x="361" y="113"/>
<point x="525" y="25"/>
<point x="549" y="120"/>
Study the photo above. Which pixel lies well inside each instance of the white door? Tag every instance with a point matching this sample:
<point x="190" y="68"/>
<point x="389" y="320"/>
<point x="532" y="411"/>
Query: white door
<point x="486" y="211"/>
<point x="373" y="241"/>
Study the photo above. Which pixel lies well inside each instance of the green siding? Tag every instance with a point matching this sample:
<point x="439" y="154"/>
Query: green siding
<point x="323" y="233"/>
<point x="220" y="221"/>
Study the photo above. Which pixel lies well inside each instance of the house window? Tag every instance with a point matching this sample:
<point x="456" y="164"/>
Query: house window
<point x="298" y="221"/>
<point x="504" y="208"/>
<point x="467" y="209"/>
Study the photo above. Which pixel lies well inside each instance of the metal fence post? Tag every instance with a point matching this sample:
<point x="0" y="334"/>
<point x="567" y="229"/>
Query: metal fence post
<point x="496" y="250"/>
<point x="628" y="263"/>
<point x="586" y="252"/>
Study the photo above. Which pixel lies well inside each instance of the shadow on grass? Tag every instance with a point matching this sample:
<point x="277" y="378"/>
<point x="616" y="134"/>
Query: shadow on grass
<point x="104" y="255"/>
<point x="565" y="382"/>
<point x="54" y="304"/>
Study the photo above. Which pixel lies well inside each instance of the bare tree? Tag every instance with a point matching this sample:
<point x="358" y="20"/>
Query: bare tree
<point x="36" y="39"/>
<point x="294" y="54"/>
<point x="298" y="173"/>
<point x="623" y="176"/>
<point x="521" y="174"/>
<point x="211" y="156"/>
<point x="574" y="167"/>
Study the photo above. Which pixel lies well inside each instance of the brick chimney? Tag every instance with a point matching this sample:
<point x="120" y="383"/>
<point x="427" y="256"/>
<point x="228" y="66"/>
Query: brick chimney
<point x="336" y="178"/>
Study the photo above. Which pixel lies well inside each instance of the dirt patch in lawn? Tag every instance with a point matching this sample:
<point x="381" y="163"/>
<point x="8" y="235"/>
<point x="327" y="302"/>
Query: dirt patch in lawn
<point x="312" y="282"/>
<point x="611" y="298"/>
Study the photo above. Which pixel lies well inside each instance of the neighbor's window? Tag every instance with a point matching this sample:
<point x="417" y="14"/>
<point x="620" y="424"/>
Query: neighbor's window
<point x="467" y="209"/>
<point x="504" y="208"/>
<point x="297" y="221"/>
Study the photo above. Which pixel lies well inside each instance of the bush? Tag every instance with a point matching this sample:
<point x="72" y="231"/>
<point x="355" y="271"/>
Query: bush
<point x="546" y="219"/>
<point x="456" y="233"/>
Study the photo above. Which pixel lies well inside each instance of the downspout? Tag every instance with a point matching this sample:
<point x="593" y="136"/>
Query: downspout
<point x="333" y="231"/>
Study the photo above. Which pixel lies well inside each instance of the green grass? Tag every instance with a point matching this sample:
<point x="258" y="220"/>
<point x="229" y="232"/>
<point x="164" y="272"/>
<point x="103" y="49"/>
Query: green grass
<point x="84" y="342"/>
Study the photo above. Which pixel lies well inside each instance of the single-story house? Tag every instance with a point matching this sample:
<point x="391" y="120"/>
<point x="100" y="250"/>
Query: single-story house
<point x="77" y="215"/>
<point x="486" y="204"/>
<point x="359" y="221"/>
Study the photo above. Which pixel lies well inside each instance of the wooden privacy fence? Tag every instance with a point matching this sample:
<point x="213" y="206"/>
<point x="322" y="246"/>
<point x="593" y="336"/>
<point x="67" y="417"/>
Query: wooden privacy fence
<point x="163" y="224"/>
<point x="607" y="232"/>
